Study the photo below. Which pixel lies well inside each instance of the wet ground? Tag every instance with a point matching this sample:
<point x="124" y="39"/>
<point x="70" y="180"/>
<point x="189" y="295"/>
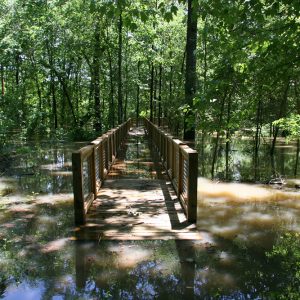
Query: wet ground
<point x="241" y="255"/>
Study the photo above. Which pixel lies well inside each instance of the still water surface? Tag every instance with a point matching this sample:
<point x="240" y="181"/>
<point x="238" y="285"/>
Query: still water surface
<point x="239" y="222"/>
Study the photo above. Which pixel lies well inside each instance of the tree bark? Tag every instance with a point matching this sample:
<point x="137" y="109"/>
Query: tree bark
<point x="151" y="91"/>
<point x="159" y="94"/>
<point x="2" y="81"/>
<point x="138" y="93"/>
<point x="190" y="69"/>
<point x="281" y="114"/>
<point x="96" y="71"/>
<point x="120" y="95"/>
<point x="111" y="116"/>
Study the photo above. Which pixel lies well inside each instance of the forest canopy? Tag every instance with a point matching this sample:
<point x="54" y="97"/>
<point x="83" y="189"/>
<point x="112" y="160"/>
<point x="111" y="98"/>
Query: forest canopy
<point x="79" y="66"/>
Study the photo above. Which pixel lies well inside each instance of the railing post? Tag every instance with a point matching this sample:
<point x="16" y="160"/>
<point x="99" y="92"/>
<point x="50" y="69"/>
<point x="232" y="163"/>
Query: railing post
<point x="93" y="172"/>
<point x="78" y="188"/>
<point x="180" y="172"/>
<point x="105" y="139"/>
<point x="101" y="164"/>
<point x="192" y="186"/>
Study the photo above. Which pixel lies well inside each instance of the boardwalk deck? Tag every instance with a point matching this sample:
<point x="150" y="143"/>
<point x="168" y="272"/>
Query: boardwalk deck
<point x="137" y="200"/>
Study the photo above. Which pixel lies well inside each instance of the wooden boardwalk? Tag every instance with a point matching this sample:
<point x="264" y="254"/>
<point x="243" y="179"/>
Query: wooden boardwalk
<point x="136" y="201"/>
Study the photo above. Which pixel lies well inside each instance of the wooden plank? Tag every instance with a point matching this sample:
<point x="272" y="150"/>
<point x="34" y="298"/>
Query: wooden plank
<point x="128" y="209"/>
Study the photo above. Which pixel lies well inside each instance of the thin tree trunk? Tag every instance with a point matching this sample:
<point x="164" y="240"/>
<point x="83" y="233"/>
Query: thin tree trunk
<point x="67" y="96"/>
<point x="120" y="95"/>
<point x="96" y="71"/>
<point x="297" y="157"/>
<point x="155" y="97"/>
<point x="151" y="91"/>
<point x="54" y="103"/>
<point x="159" y="94"/>
<point x="17" y="69"/>
<point x="257" y="132"/>
<point x="112" y="102"/>
<point x="298" y="140"/>
<point x="282" y="113"/>
<point x="228" y="135"/>
<point x="126" y="87"/>
<point x="138" y="93"/>
<point x="2" y="81"/>
<point x="37" y="82"/>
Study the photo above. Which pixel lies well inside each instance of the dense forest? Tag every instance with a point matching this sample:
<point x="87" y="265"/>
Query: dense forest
<point x="77" y="66"/>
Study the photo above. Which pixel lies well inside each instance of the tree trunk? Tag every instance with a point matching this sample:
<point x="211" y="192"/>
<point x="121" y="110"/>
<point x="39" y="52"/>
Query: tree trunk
<point x="159" y="94"/>
<point x="126" y="86"/>
<point x="17" y="69"/>
<point x="96" y="71"/>
<point x="2" y="81"/>
<point x="298" y="140"/>
<point x="282" y="113"/>
<point x="155" y="97"/>
<point x="54" y="104"/>
<point x="297" y="157"/>
<point x="190" y="69"/>
<point x="120" y="95"/>
<point x="111" y="113"/>
<point x="228" y="135"/>
<point x="151" y="91"/>
<point x="257" y="137"/>
<point x="138" y="93"/>
<point x="36" y="79"/>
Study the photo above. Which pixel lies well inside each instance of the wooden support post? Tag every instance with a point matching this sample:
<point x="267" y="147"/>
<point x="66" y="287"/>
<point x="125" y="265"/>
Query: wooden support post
<point x="78" y="188"/>
<point x="192" y="185"/>
<point x="105" y="149"/>
<point x="101" y="163"/>
<point x="93" y="173"/>
<point x="180" y="173"/>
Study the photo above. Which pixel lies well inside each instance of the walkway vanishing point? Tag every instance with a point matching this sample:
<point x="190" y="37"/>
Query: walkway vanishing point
<point x="135" y="182"/>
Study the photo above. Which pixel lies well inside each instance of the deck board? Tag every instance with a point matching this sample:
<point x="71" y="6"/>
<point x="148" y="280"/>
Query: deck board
<point x="137" y="201"/>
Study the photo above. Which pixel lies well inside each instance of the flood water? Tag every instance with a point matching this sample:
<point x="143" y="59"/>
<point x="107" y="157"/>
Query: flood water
<point x="240" y="224"/>
<point x="242" y="165"/>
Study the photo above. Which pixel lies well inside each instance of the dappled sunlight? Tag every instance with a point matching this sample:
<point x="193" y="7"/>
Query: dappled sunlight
<point x="128" y="256"/>
<point x="259" y="219"/>
<point x="61" y="173"/>
<point x="228" y="231"/>
<point x="54" y="245"/>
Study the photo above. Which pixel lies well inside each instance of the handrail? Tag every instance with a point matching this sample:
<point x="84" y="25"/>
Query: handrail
<point x="181" y="164"/>
<point x="90" y="166"/>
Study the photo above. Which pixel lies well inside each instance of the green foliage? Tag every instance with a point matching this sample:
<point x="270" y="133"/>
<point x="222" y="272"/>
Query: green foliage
<point x="286" y="253"/>
<point x="49" y="54"/>
<point x="290" y="124"/>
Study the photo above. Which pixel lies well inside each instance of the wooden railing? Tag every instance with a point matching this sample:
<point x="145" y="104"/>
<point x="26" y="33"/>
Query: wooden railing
<point x="90" y="166"/>
<point x="181" y="163"/>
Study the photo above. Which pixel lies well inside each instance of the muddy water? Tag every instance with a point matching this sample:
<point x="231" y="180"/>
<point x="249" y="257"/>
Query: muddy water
<point x="38" y="260"/>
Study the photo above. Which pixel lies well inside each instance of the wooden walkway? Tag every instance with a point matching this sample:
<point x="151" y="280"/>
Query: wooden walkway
<point x="136" y="201"/>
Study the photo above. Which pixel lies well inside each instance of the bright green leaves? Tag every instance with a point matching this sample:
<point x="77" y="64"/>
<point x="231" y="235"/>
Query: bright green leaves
<point x="286" y="255"/>
<point x="167" y="10"/>
<point x="290" y="124"/>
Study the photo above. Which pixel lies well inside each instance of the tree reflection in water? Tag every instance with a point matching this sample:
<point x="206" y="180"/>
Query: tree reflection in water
<point x="39" y="260"/>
